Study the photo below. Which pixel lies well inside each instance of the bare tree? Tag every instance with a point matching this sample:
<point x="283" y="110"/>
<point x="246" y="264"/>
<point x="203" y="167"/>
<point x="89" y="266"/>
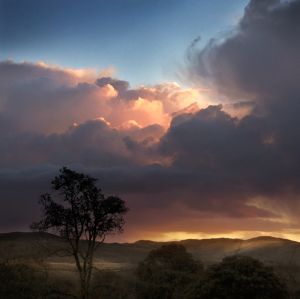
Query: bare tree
<point x="80" y="213"/>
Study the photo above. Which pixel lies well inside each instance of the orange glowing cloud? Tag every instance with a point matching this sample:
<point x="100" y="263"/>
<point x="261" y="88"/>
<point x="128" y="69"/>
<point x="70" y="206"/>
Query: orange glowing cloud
<point x="53" y="98"/>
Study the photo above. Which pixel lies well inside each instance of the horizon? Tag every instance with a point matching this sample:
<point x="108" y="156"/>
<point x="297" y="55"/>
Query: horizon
<point x="161" y="241"/>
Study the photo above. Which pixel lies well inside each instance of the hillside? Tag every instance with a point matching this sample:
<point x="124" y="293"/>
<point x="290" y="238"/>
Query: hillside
<point x="44" y="246"/>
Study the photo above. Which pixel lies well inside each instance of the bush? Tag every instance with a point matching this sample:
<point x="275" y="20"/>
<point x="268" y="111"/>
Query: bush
<point x="20" y="281"/>
<point x="109" y="284"/>
<point x="166" y="272"/>
<point x="239" y="277"/>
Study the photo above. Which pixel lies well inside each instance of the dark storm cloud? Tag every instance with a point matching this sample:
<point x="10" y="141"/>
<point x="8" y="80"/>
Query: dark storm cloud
<point x="93" y="143"/>
<point x="261" y="58"/>
<point x="258" y="155"/>
<point x="148" y="190"/>
<point x="261" y="61"/>
<point x="249" y="157"/>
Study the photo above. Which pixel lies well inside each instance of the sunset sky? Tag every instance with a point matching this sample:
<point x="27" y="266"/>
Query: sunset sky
<point x="188" y="110"/>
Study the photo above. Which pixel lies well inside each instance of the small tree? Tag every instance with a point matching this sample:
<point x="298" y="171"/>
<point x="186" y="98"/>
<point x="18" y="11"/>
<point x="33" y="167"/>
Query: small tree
<point x="80" y="213"/>
<point x="239" y="277"/>
<point x="167" y="272"/>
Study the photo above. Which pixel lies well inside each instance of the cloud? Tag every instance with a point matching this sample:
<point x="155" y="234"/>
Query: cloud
<point x="151" y="104"/>
<point x="120" y="86"/>
<point x="47" y="99"/>
<point x="235" y="159"/>
<point x="179" y="159"/>
<point x="259" y="62"/>
<point x="260" y="59"/>
<point x="44" y="99"/>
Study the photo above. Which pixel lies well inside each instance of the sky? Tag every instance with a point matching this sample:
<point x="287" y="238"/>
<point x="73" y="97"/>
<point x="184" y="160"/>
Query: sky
<point x="120" y="34"/>
<point x="188" y="110"/>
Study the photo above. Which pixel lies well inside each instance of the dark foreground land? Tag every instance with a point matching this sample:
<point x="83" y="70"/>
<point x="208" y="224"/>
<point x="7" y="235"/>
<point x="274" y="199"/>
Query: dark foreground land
<point x="116" y="263"/>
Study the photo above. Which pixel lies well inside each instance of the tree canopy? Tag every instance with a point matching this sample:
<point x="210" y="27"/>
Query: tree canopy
<point x="239" y="277"/>
<point x="166" y="272"/>
<point x="79" y="212"/>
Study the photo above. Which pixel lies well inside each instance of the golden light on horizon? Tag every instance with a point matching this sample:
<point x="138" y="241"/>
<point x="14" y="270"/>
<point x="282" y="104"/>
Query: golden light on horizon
<point x="243" y="235"/>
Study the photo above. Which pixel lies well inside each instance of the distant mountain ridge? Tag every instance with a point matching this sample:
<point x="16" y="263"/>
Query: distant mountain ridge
<point x="34" y="245"/>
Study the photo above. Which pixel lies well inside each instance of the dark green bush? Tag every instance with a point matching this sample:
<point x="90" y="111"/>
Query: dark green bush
<point x="111" y="284"/>
<point x="166" y="273"/>
<point x="20" y="281"/>
<point x="239" y="277"/>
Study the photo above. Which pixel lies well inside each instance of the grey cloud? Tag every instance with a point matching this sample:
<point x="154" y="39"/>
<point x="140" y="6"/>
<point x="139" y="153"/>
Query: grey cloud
<point x="261" y="58"/>
<point x="93" y="143"/>
<point x="41" y="99"/>
<point x="145" y="188"/>
<point x="121" y="86"/>
<point x="124" y="90"/>
<point x="259" y="61"/>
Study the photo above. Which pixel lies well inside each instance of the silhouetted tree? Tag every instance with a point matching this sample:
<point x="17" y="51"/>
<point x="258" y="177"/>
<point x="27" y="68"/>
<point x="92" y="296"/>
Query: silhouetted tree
<point x="82" y="215"/>
<point x="239" y="277"/>
<point x="166" y="272"/>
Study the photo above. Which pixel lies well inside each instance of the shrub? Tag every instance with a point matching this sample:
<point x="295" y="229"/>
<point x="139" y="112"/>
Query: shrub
<point x="239" y="277"/>
<point x="166" y="272"/>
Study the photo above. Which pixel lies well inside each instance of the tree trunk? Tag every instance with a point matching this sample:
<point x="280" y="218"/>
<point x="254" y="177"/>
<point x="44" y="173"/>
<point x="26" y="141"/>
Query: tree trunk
<point x="84" y="292"/>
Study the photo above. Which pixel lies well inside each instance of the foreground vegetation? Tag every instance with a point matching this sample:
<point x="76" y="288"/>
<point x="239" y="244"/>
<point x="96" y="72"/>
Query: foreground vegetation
<point x="168" y="272"/>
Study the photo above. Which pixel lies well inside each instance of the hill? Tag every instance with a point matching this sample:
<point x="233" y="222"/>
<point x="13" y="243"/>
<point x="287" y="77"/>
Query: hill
<point x="44" y="246"/>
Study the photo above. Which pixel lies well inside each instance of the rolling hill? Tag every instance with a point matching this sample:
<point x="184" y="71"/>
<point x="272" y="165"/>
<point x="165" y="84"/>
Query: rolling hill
<point x="50" y="248"/>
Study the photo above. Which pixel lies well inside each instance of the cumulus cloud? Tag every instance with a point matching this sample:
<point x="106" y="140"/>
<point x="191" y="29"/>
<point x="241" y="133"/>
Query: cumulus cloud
<point x="46" y="99"/>
<point x="152" y="104"/>
<point x="54" y="115"/>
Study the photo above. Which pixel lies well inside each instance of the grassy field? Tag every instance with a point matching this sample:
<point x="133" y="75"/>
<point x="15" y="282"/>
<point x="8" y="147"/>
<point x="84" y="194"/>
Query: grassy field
<point x="48" y="250"/>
